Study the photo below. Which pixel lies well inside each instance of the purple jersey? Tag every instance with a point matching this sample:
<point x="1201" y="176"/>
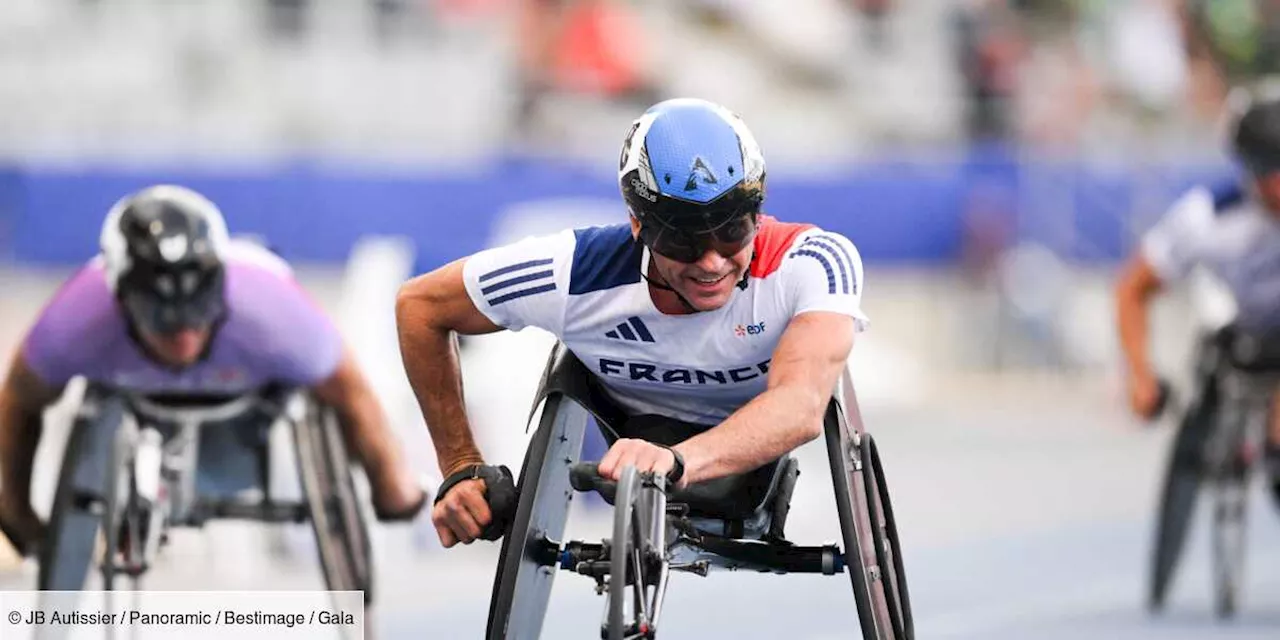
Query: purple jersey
<point x="273" y="333"/>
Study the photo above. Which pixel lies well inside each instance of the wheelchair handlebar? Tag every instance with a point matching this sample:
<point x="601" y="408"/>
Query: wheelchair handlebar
<point x="198" y="409"/>
<point x="585" y="476"/>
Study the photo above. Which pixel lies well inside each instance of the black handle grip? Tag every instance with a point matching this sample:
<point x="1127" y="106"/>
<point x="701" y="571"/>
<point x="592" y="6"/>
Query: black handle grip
<point x="1162" y="400"/>
<point x="585" y="476"/>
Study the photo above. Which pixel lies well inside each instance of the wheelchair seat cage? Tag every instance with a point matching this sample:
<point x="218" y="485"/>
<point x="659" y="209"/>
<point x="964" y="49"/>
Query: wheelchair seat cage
<point x="1216" y="447"/>
<point x="736" y="523"/>
<point x="131" y="469"/>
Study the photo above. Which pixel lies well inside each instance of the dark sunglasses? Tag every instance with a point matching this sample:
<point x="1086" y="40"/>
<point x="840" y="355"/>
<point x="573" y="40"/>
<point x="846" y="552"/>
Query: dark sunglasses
<point x="728" y="239"/>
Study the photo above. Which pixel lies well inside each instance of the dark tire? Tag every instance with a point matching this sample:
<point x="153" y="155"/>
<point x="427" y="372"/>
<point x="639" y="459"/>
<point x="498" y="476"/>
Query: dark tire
<point x="66" y="557"/>
<point x="856" y="530"/>
<point x="526" y="562"/>
<point x="620" y="552"/>
<point x="1183" y="478"/>
<point x="1230" y="490"/>
<point x="339" y="524"/>
<point x="888" y="548"/>
<point x="118" y="504"/>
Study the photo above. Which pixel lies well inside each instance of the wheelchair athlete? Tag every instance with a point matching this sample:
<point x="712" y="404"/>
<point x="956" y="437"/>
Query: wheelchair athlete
<point x="730" y="327"/>
<point x="1234" y="231"/>
<point x="172" y="307"/>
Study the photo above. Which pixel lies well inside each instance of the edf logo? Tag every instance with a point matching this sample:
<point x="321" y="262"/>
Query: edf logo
<point x="748" y="329"/>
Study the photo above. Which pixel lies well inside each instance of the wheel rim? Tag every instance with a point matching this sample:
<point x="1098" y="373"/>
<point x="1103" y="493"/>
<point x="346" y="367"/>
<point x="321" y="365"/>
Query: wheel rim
<point x="839" y="451"/>
<point x="900" y="601"/>
<point x="621" y="554"/>
<point x="1229" y="543"/>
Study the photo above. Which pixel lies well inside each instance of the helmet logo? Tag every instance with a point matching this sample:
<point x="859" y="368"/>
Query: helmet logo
<point x="173" y="248"/>
<point x="642" y="190"/>
<point x="699" y="170"/>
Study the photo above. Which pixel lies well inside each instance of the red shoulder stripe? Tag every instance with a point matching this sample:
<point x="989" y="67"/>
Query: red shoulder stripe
<point x="772" y="241"/>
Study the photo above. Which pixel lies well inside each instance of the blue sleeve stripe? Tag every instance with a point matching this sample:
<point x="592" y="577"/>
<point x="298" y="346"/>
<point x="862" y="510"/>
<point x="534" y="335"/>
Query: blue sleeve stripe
<point x="641" y="330"/>
<point x="604" y="258"/>
<point x="824" y="245"/>
<point x="537" y="275"/>
<point x="831" y="274"/>
<point x="853" y="274"/>
<point x="521" y="293"/>
<point x="515" y="267"/>
<point x="1226" y="196"/>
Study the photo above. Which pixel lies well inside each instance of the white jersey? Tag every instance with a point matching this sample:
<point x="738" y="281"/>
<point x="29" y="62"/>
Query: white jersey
<point x="585" y="286"/>
<point x="1232" y="236"/>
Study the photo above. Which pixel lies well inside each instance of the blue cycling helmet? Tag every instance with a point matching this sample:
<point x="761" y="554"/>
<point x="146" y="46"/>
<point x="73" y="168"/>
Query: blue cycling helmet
<point x="691" y="173"/>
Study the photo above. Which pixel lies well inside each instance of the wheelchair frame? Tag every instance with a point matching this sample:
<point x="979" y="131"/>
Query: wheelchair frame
<point x="533" y="548"/>
<point x="1217" y="443"/>
<point x="148" y="486"/>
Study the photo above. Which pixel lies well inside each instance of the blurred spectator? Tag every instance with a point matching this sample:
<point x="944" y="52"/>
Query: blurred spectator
<point x="990" y="47"/>
<point x="1059" y="88"/>
<point x="584" y="47"/>
<point x="988" y="224"/>
<point x="287" y="19"/>
<point x="1242" y="37"/>
<point x="1146" y="53"/>
<point x="875" y="14"/>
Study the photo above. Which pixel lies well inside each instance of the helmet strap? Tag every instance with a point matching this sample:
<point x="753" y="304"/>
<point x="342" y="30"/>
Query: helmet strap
<point x="742" y="284"/>
<point x="666" y="287"/>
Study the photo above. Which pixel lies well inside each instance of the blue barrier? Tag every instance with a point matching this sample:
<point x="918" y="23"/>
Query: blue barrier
<point x="894" y="210"/>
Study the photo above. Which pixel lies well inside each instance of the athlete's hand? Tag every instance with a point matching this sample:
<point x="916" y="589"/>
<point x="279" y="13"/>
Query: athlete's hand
<point x="1145" y="394"/>
<point x="462" y="513"/>
<point x="645" y="456"/>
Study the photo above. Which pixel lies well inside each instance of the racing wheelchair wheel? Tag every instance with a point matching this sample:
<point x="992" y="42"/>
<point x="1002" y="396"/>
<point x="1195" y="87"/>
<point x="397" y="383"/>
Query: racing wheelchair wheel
<point x="1230" y="498"/>
<point x="328" y="485"/>
<point x="888" y="548"/>
<point x="1229" y="472"/>
<point x="879" y="587"/>
<point x="632" y="559"/>
<point x="526" y="562"/>
<point x="1182" y="481"/>
<point x="122" y="514"/>
<point x="75" y="516"/>
<point x="625" y="544"/>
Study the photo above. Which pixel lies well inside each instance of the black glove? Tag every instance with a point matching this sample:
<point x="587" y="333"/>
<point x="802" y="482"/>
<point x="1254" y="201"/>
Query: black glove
<point x="499" y="492"/>
<point x="677" y="471"/>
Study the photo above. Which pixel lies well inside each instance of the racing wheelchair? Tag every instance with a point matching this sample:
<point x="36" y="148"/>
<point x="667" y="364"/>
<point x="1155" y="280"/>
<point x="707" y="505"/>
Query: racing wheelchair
<point x="135" y="467"/>
<point x="729" y="523"/>
<point x="1217" y="446"/>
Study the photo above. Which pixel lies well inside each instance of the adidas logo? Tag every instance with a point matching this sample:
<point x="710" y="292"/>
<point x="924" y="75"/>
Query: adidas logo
<point x="632" y="330"/>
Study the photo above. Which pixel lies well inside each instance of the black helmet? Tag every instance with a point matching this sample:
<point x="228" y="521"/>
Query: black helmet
<point x="163" y="250"/>
<point x="693" y="175"/>
<point x="1255" y="130"/>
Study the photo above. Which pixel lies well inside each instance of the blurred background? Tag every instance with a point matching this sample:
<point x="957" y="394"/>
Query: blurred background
<point x="993" y="160"/>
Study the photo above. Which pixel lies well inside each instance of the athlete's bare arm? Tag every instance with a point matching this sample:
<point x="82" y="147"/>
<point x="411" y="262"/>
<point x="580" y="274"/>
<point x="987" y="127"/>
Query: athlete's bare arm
<point x="1137" y="287"/>
<point x="806" y="365"/>
<point x="22" y="401"/>
<point x="429" y="310"/>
